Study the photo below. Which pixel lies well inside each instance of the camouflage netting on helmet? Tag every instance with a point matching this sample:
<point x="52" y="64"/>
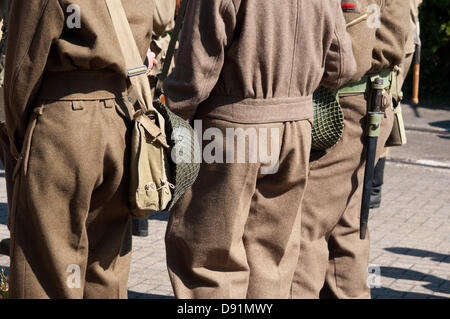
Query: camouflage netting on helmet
<point x="186" y="154"/>
<point x="328" y="119"/>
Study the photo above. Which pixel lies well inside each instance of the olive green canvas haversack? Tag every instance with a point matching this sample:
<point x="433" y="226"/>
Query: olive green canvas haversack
<point x="156" y="181"/>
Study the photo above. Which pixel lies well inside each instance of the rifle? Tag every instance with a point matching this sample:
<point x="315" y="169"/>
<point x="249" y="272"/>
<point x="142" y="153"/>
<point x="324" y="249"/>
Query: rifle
<point x="416" y="75"/>
<point x="376" y="112"/>
<point x="177" y="7"/>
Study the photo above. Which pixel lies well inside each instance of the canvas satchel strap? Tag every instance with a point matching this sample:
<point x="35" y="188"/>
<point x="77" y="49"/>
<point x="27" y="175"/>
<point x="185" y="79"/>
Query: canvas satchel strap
<point x="139" y="90"/>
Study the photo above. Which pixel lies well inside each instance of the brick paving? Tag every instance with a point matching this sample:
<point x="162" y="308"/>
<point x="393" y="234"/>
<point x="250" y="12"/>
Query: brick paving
<point x="410" y="233"/>
<point x="410" y="236"/>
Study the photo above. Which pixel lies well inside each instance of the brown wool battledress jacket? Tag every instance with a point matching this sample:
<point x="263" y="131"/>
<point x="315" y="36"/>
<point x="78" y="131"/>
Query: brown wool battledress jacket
<point x="377" y="48"/>
<point x="44" y="39"/>
<point x="254" y="61"/>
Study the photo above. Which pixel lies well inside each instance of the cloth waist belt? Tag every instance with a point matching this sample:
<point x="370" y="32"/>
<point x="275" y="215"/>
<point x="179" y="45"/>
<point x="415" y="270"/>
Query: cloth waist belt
<point x="251" y="111"/>
<point x="82" y="85"/>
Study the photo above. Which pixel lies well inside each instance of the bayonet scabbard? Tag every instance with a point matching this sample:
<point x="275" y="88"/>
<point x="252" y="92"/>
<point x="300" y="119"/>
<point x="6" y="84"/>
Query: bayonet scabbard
<point x="375" y="117"/>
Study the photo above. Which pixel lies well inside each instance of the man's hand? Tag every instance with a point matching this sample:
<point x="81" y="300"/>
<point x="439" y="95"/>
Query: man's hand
<point x="151" y="61"/>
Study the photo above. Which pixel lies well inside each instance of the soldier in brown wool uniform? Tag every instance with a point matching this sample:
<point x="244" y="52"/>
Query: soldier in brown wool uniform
<point x="411" y="43"/>
<point x="163" y="22"/>
<point x="333" y="260"/>
<point x="246" y="65"/>
<point x="65" y="83"/>
<point x="413" y="38"/>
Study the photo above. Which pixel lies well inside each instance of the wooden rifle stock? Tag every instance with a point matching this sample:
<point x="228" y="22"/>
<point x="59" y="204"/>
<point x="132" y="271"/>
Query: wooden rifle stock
<point x="416" y="76"/>
<point x="177" y="8"/>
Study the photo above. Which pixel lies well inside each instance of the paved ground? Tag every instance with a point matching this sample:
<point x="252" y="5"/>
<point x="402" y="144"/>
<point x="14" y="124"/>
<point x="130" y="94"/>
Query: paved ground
<point x="410" y="233"/>
<point x="428" y="134"/>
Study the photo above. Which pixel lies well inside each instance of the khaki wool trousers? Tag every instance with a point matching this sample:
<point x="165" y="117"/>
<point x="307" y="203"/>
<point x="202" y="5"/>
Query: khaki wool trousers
<point x="235" y="233"/>
<point x="70" y="222"/>
<point x="333" y="259"/>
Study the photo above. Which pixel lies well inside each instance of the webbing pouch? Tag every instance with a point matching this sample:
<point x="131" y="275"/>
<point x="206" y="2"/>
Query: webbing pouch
<point x="398" y="133"/>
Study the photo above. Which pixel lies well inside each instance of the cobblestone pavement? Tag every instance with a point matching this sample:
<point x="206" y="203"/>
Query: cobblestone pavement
<point x="410" y="236"/>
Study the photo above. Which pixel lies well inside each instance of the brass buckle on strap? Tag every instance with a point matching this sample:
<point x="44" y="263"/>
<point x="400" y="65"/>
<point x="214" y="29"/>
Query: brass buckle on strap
<point x="139" y="70"/>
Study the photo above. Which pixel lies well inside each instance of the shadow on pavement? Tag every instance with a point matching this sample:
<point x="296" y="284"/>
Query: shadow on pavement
<point x="131" y="294"/>
<point x="441" y="124"/>
<point x="420" y="253"/>
<point x="425" y="104"/>
<point x="3" y="213"/>
<point x="387" y="293"/>
<point x="139" y="295"/>
<point x="431" y="282"/>
<point x="415" y="109"/>
<point x="162" y="216"/>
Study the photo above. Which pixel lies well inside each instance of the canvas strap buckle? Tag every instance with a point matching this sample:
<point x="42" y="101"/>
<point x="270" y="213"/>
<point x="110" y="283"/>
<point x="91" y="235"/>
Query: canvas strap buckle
<point x="153" y="130"/>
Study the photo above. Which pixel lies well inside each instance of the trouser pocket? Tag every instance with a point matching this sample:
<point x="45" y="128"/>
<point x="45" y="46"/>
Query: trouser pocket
<point x="22" y="164"/>
<point x="24" y="157"/>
